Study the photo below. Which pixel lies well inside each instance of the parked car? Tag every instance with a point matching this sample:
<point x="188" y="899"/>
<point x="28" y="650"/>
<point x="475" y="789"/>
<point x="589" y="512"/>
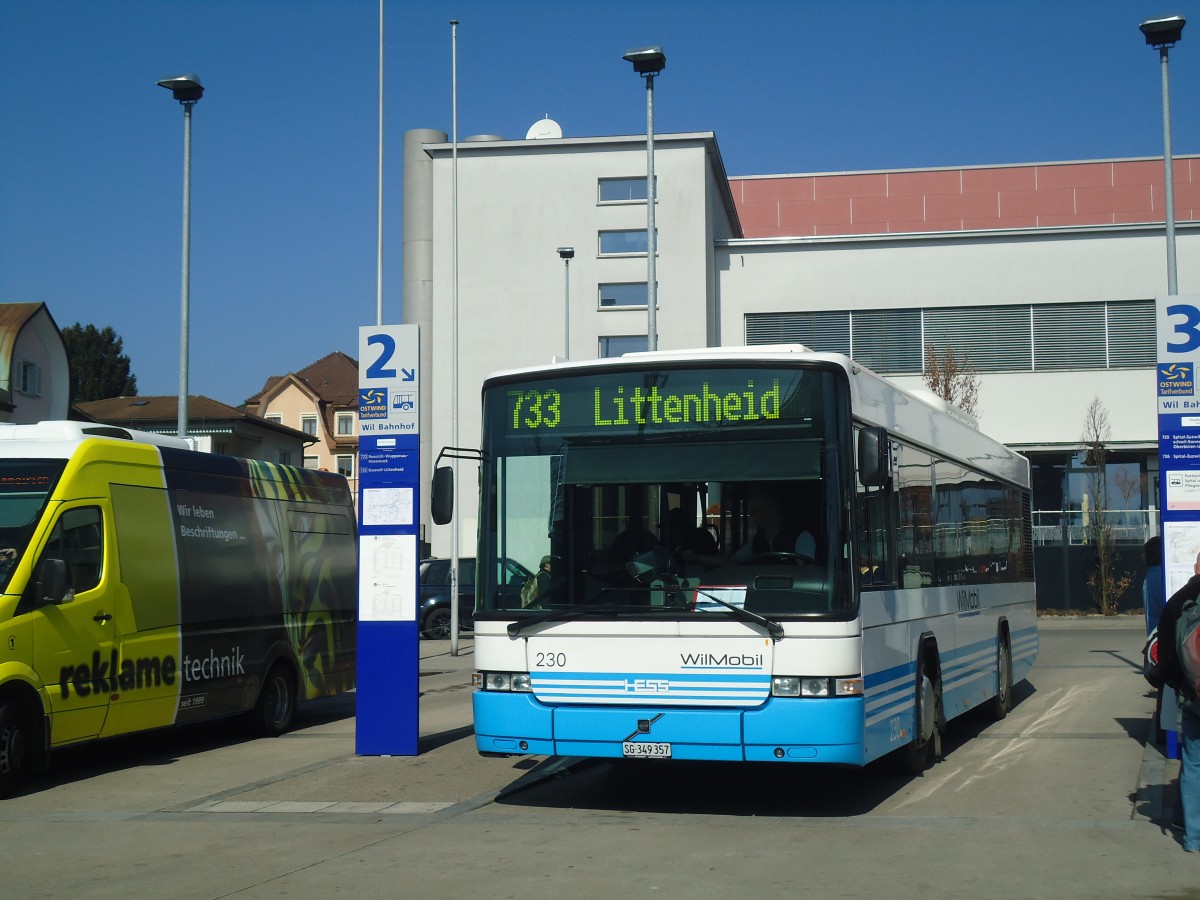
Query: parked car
<point x="433" y="611"/>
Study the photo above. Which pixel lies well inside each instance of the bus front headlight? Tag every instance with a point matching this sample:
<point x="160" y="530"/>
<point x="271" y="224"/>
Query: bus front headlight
<point x="503" y="681"/>
<point x="815" y="686"/>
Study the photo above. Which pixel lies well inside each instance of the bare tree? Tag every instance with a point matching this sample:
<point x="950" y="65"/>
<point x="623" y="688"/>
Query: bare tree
<point x="1105" y="583"/>
<point x="953" y="378"/>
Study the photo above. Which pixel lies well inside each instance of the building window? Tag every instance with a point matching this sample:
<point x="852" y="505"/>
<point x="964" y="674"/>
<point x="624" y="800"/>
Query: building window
<point x="29" y="378"/>
<point x="624" y="293"/>
<point x="631" y="240"/>
<point x="827" y="332"/>
<point x="345" y="424"/>
<point x="1024" y="337"/>
<point x="621" y="344"/>
<point x="284" y="457"/>
<point x="276" y="418"/>
<point x="310" y="462"/>
<point x="345" y="466"/>
<point x="308" y="424"/>
<point x="624" y="190"/>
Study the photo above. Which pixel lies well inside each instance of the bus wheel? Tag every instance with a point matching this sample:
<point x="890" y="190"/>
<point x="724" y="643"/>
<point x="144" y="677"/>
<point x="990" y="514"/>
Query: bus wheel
<point x="919" y="754"/>
<point x="276" y="702"/>
<point x="14" y="744"/>
<point x="998" y="706"/>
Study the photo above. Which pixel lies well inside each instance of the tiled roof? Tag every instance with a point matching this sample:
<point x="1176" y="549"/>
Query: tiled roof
<point x="144" y="409"/>
<point x="15" y="315"/>
<point x="204" y="413"/>
<point x="333" y="378"/>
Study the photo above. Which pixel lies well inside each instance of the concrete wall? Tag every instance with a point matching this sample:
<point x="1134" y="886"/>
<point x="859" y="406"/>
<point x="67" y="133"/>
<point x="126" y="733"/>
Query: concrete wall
<point x="518" y="202"/>
<point x="789" y="276"/>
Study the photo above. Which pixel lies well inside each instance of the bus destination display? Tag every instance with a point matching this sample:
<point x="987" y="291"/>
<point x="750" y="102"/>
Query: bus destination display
<point x="661" y="401"/>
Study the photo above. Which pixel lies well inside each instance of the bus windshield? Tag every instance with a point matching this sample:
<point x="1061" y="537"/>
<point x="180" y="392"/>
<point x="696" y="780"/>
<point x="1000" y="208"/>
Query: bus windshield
<point x="667" y="493"/>
<point x="25" y="485"/>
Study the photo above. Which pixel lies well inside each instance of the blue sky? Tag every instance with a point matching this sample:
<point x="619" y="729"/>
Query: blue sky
<point x="284" y="142"/>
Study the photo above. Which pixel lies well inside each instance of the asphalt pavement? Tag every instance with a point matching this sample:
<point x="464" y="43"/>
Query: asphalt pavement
<point x="339" y="781"/>
<point x="203" y="813"/>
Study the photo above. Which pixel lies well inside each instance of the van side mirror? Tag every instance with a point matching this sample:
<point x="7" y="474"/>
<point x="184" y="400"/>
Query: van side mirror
<point x="51" y="588"/>
<point x="441" y="500"/>
<point x="874" y="457"/>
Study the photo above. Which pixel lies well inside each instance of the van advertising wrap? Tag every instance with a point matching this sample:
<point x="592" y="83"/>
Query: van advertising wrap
<point x="147" y="585"/>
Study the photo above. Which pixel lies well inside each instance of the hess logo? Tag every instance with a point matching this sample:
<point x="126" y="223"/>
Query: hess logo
<point x="648" y="686"/>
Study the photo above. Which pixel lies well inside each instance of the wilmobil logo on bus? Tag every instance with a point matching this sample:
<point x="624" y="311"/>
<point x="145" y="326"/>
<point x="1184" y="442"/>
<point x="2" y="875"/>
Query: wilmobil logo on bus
<point x="721" y="661"/>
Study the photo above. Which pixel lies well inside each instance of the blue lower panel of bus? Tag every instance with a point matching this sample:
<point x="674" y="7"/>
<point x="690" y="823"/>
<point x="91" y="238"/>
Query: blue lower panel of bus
<point x="781" y="730"/>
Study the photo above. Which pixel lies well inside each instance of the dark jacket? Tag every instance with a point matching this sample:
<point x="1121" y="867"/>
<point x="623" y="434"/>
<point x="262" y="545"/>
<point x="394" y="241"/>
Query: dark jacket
<point x="1167" y="624"/>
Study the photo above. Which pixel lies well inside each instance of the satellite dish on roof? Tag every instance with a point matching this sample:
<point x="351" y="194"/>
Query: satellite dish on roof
<point x="544" y="130"/>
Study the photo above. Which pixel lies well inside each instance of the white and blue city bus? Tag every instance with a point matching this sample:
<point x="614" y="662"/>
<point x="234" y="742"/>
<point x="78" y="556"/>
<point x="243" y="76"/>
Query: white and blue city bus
<point x="757" y="554"/>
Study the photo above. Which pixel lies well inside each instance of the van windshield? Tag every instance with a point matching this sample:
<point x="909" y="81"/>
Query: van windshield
<point x="25" y="486"/>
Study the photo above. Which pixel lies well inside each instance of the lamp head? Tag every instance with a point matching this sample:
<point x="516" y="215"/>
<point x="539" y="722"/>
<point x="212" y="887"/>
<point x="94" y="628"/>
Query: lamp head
<point x="566" y="252"/>
<point x="1164" y="32"/>
<point x="646" y="60"/>
<point x="185" y="88"/>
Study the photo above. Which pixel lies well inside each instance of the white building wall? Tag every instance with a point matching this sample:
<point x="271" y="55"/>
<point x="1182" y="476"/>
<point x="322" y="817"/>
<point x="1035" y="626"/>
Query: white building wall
<point x="1029" y="409"/>
<point x="518" y="202"/>
<point x="40" y="343"/>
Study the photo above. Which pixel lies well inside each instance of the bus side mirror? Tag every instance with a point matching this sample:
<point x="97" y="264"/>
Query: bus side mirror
<point x="441" y="500"/>
<point x="874" y="457"/>
<point x="51" y="587"/>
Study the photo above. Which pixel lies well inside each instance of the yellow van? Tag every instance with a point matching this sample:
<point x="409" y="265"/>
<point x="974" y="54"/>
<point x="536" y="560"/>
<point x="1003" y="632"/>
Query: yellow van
<point x="144" y="585"/>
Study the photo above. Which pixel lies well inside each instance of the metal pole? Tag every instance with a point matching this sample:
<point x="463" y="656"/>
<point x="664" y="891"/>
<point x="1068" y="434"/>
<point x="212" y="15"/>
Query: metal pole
<point x="182" y="426"/>
<point x="567" y="308"/>
<point x="1168" y="178"/>
<point x="651" y="237"/>
<point x="379" y="197"/>
<point x="454" y="541"/>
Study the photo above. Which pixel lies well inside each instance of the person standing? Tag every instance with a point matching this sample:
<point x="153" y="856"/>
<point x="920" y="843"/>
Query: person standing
<point x="1189" y="728"/>
<point x="1152" y="583"/>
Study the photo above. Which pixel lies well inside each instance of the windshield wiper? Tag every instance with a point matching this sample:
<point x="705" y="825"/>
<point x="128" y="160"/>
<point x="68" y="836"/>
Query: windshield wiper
<point x="671" y="581"/>
<point x="563" y="615"/>
<point x="773" y="628"/>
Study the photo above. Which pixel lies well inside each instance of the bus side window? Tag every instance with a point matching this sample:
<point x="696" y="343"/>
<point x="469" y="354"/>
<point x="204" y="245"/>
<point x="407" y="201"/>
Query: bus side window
<point x="874" y="535"/>
<point x="77" y="540"/>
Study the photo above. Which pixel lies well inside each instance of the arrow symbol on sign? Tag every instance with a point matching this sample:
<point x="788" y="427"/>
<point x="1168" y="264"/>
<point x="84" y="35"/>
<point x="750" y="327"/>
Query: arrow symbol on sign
<point x="408" y="374"/>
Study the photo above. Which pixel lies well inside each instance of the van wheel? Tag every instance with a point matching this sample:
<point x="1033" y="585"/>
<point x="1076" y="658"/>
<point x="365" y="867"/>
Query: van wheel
<point x="14" y="747"/>
<point x="276" y="702"/>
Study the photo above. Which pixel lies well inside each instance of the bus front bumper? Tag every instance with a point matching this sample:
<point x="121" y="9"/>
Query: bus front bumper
<point x="817" y="730"/>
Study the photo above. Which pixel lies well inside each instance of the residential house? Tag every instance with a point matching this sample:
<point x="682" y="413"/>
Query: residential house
<point x="212" y="426"/>
<point x="35" y="377"/>
<point x="320" y="400"/>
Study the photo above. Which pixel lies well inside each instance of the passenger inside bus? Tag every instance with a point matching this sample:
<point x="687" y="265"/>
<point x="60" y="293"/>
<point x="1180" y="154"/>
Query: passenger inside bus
<point x="771" y="530"/>
<point x="685" y="540"/>
<point x="633" y="541"/>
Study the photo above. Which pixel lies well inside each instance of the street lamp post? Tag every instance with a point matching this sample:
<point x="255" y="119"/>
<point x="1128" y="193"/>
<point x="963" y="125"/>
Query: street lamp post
<point x="648" y="62"/>
<point x="1163" y="34"/>
<point x="187" y="89"/>
<point x="566" y="254"/>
